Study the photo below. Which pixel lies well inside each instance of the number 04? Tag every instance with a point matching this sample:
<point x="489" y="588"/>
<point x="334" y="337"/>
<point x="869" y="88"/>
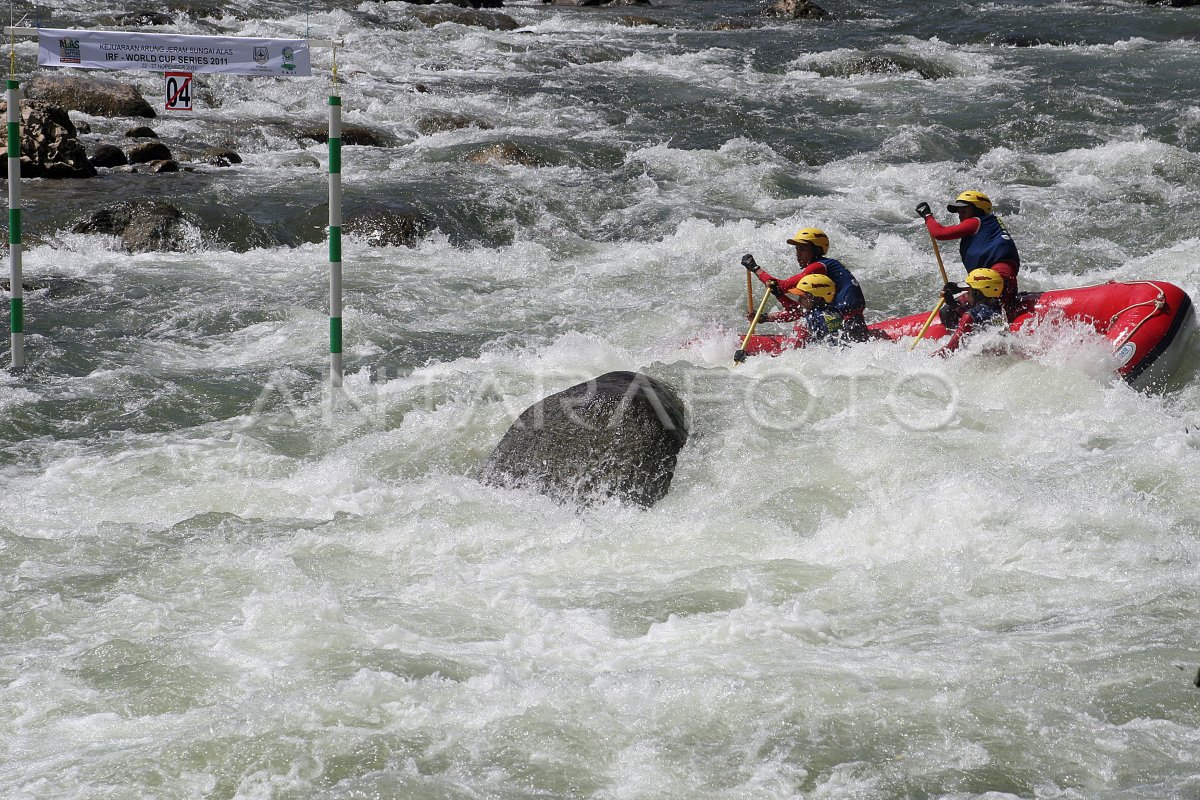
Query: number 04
<point x="179" y="92"/>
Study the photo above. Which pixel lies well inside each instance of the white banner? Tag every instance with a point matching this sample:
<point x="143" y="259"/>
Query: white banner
<point x="164" y="52"/>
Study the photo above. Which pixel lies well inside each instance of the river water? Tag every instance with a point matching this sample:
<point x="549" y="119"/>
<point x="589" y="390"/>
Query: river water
<point x="877" y="575"/>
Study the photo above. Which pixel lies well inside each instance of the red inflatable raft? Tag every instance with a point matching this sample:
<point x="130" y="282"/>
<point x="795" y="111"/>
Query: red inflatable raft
<point x="1149" y="324"/>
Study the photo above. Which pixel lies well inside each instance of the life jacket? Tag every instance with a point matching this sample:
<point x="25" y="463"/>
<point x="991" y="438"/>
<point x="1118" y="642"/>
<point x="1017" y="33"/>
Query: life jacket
<point x="848" y="295"/>
<point x="989" y="313"/>
<point x="991" y="245"/>
<point x="823" y="323"/>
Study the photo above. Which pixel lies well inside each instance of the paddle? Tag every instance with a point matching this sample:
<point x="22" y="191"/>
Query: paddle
<point x="740" y="355"/>
<point x="928" y="322"/>
<point x="751" y="269"/>
<point x="945" y="279"/>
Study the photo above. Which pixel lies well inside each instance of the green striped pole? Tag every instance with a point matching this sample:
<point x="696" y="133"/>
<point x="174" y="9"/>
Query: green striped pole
<point x="335" y="240"/>
<point x="16" y="292"/>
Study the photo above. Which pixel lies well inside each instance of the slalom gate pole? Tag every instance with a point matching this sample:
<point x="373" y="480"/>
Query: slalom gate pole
<point x="16" y="292"/>
<point x="335" y="233"/>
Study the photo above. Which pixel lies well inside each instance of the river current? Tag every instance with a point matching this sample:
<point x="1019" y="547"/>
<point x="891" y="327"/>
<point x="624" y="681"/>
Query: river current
<point x="877" y="574"/>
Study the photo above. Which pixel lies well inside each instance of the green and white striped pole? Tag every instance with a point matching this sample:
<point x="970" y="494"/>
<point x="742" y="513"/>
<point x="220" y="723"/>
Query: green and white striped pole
<point x="335" y="236"/>
<point x="16" y="292"/>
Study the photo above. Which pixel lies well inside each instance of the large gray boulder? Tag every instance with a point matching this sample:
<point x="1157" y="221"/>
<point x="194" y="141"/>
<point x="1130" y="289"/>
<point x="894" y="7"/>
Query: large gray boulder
<point x="615" y="436"/>
<point x="50" y="146"/>
<point x="101" y="97"/>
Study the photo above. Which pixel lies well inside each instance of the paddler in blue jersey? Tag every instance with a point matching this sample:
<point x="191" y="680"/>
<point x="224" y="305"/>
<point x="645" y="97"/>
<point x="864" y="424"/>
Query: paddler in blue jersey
<point x="809" y="303"/>
<point x="968" y="306"/>
<point x="812" y="247"/>
<point x="984" y="242"/>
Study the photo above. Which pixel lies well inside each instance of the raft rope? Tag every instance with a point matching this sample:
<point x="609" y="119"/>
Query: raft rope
<point x="1160" y="307"/>
<point x="1158" y="302"/>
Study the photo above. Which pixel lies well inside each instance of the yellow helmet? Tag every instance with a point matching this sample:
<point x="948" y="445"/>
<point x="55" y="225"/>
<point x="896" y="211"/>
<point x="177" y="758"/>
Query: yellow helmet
<point x="987" y="282"/>
<point x="814" y="236"/>
<point x="821" y="286"/>
<point x="971" y="198"/>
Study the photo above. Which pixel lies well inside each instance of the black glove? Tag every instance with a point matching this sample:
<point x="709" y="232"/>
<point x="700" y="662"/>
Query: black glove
<point x="775" y="290"/>
<point x="924" y="210"/>
<point x="950" y="290"/>
<point x="749" y="263"/>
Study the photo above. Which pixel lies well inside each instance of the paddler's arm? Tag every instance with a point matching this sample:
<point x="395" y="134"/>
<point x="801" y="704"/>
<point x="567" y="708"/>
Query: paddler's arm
<point x="966" y="324"/>
<point x="968" y="227"/>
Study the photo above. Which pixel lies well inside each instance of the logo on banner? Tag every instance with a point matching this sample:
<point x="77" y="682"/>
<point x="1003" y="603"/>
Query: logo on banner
<point x="69" y="52"/>
<point x="289" y="60"/>
<point x="261" y="56"/>
<point x="179" y="91"/>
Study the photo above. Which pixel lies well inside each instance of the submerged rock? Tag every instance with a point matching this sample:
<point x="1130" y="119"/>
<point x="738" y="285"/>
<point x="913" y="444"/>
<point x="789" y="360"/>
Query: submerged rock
<point x="491" y="20"/>
<point x="446" y="122"/>
<point x="382" y="227"/>
<point x="160" y="165"/>
<point x="615" y="436"/>
<point x="219" y="156"/>
<point x="52" y="285"/>
<point x="885" y="64"/>
<point x="108" y="155"/>
<point x="135" y="19"/>
<point x="359" y="135"/>
<point x="142" y="226"/>
<point x="635" y="21"/>
<point x="1031" y="40"/>
<point x="795" y="9"/>
<point x="148" y="151"/>
<point x="504" y="154"/>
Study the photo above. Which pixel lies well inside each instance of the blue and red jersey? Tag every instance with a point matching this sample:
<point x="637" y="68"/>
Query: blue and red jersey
<point x="848" y="297"/>
<point x="984" y="243"/>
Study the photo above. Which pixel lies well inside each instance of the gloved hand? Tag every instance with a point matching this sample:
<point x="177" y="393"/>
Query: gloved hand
<point x="950" y="290"/>
<point x="749" y="263"/>
<point x="775" y="290"/>
<point x="924" y="210"/>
